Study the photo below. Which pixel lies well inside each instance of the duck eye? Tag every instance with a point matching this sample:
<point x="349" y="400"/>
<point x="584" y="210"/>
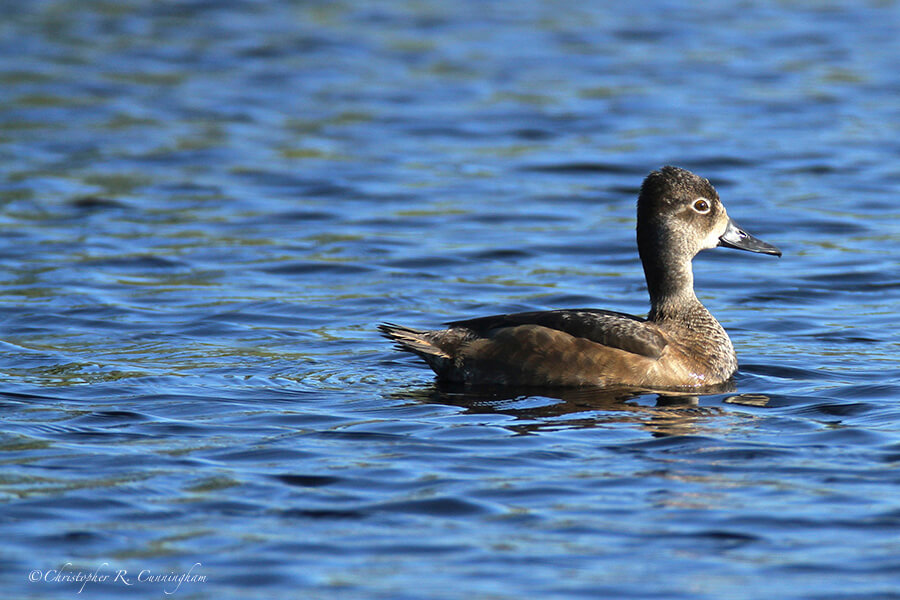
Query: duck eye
<point x="701" y="205"/>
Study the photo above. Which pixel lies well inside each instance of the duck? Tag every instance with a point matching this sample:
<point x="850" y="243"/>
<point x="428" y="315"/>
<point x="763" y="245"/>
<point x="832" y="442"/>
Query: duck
<point x="678" y="345"/>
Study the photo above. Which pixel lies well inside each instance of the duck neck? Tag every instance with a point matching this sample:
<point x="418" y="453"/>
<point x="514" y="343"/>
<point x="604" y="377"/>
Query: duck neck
<point x="670" y="281"/>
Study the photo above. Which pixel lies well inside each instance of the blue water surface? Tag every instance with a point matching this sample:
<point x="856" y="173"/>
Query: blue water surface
<point x="206" y="208"/>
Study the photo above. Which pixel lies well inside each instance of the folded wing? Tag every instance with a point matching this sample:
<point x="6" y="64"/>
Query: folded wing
<point x="612" y="329"/>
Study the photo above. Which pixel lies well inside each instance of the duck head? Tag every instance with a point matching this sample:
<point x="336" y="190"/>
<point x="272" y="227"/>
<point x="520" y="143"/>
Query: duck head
<point x="680" y="213"/>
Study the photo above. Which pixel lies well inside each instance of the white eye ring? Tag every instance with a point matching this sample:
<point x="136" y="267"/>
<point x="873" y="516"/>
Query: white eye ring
<point x="701" y="205"/>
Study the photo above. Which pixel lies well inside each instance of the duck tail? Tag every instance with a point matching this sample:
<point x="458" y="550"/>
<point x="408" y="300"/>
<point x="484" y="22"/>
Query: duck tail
<point x="412" y="340"/>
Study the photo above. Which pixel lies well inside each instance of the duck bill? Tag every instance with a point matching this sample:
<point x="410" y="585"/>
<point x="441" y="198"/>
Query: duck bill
<point x="735" y="237"/>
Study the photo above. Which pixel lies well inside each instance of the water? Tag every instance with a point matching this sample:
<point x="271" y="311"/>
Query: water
<point x="208" y="206"/>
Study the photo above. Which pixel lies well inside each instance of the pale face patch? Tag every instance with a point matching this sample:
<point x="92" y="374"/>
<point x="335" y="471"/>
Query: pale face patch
<point x="712" y="240"/>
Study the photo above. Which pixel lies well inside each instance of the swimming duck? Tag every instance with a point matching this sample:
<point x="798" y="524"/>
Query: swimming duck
<point x="679" y="345"/>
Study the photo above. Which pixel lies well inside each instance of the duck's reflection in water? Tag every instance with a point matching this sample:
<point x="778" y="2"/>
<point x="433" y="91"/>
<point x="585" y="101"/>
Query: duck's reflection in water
<point x="535" y="409"/>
